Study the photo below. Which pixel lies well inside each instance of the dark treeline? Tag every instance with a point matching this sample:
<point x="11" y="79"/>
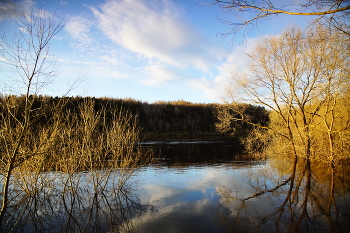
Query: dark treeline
<point x="173" y="117"/>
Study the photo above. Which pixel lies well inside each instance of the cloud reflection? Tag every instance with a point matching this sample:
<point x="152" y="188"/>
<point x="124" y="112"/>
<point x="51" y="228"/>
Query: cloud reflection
<point x="185" y="199"/>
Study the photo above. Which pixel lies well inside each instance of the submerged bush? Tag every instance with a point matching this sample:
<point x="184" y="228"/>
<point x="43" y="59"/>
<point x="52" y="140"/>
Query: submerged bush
<point x="71" y="171"/>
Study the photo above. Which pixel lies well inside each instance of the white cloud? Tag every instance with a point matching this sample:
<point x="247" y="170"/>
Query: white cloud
<point x="216" y="88"/>
<point x="157" y="30"/>
<point x="12" y="9"/>
<point x="103" y="68"/>
<point x="236" y="63"/>
<point x="78" y="27"/>
<point x="110" y="60"/>
<point x="159" y="74"/>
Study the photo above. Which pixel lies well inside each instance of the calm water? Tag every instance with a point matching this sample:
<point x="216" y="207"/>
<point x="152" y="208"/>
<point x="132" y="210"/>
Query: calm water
<point x="198" y="185"/>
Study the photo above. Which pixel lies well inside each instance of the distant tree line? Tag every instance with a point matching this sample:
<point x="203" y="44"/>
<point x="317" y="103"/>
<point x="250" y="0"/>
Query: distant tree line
<point x="172" y="117"/>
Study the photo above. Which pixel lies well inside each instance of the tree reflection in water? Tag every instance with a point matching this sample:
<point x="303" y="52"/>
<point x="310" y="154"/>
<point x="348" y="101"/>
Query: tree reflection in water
<point x="81" y="202"/>
<point x="307" y="197"/>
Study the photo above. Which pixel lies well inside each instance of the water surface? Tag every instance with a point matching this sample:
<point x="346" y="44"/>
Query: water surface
<point x="195" y="185"/>
<point x="199" y="185"/>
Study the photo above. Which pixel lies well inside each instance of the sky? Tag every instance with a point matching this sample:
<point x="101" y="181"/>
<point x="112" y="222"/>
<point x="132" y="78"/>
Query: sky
<point x="148" y="50"/>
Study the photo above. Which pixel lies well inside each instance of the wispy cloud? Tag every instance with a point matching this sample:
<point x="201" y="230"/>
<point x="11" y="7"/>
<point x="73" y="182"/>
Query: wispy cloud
<point x="78" y="27"/>
<point x="157" y="30"/>
<point x="110" y="60"/>
<point x="100" y="69"/>
<point x="159" y="74"/>
<point x="215" y="87"/>
<point x="14" y="9"/>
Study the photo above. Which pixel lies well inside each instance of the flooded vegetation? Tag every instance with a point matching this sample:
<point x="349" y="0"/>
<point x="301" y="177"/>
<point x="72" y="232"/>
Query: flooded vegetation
<point x="81" y="202"/>
<point x="70" y="173"/>
<point x="195" y="184"/>
<point x="73" y="164"/>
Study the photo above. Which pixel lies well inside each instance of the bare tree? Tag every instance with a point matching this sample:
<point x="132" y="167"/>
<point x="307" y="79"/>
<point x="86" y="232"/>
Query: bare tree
<point x="28" y="52"/>
<point x="250" y="13"/>
<point x="28" y="55"/>
<point x="95" y="151"/>
<point x="302" y="77"/>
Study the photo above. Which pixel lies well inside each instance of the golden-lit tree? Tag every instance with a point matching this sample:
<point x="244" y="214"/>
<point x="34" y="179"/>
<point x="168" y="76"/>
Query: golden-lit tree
<point x="302" y="78"/>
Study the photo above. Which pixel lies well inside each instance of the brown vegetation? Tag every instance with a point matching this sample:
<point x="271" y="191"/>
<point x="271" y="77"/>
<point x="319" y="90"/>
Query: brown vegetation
<point x="61" y="169"/>
<point x="82" y="146"/>
<point x="302" y="78"/>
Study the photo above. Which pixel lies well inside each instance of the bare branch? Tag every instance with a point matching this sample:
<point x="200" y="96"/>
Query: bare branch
<point x="328" y="11"/>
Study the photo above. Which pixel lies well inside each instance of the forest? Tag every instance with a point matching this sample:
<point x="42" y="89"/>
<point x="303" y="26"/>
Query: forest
<point x="168" y="118"/>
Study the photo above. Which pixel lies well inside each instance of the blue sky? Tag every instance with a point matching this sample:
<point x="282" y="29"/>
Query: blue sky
<point x="147" y="50"/>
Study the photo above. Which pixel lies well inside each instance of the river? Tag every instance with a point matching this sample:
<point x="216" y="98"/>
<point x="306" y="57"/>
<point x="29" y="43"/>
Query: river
<point x="202" y="185"/>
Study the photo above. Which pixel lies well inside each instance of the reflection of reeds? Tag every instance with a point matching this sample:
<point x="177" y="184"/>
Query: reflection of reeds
<point x="71" y="173"/>
<point x="71" y="202"/>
